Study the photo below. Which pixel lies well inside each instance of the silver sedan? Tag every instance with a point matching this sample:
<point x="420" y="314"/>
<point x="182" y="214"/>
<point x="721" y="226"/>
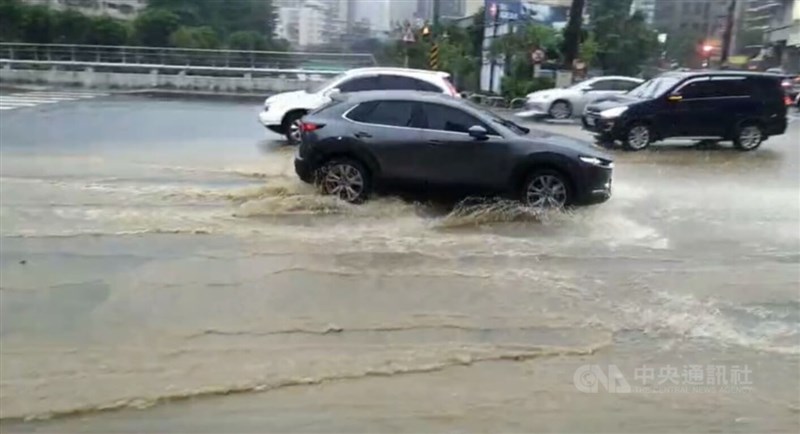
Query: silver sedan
<point x="568" y="102"/>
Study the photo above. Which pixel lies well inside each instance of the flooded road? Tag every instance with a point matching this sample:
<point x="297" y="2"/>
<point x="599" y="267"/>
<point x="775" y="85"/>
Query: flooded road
<point x="163" y="270"/>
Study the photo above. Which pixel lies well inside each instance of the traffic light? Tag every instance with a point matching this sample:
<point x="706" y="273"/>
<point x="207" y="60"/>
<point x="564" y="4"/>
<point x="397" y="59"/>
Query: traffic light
<point x="426" y="31"/>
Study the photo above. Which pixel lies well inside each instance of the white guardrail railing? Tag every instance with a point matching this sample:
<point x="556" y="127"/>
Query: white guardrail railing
<point x="24" y="55"/>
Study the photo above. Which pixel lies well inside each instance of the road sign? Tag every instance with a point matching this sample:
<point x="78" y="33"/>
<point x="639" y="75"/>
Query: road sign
<point x="537" y="56"/>
<point x="408" y="36"/>
<point x="434" y="57"/>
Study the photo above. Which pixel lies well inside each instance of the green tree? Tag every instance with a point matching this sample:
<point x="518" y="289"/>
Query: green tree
<point x="683" y="48"/>
<point x="194" y="37"/>
<point x="37" y="25"/>
<point x="71" y="27"/>
<point x="625" y="41"/>
<point x="154" y="26"/>
<point x="12" y="14"/>
<point x="225" y="17"/>
<point x="588" y="50"/>
<point x="247" y="40"/>
<point x="108" y="31"/>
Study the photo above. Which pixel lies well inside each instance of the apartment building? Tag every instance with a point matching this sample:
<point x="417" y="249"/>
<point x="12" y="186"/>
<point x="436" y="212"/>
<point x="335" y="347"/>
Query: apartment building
<point x="120" y="9"/>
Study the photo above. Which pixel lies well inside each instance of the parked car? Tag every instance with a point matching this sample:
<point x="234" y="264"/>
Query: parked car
<point x="745" y="107"/>
<point x="282" y="112"/>
<point x="570" y="101"/>
<point x="390" y="139"/>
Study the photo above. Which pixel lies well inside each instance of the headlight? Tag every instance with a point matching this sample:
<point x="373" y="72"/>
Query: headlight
<point x="594" y="161"/>
<point x="613" y="112"/>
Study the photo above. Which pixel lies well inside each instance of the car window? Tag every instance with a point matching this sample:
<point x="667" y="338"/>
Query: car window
<point x="730" y="86"/>
<point x="389" y="113"/>
<point x="359" y="113"/>
<point x="360" y="84"/>
<point x="603" y="85"/>
<point x="424" y="86"/>
<point x="396" y="82"/>
<point x="444" y="118"/>
<point x="717" y="87"/>
<point x="697" y="89"/>
<point x="624" y="85"/>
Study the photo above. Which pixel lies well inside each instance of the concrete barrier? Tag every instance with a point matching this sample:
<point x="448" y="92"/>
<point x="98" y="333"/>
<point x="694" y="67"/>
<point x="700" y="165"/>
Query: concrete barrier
<point x="155" y="79"/>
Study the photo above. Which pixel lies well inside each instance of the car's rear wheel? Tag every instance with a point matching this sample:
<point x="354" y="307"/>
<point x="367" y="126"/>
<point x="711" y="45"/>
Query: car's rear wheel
<point x="560" y="110"/>
<point x="345" y="178"/>
<point x="293" y="127"/>
<point x="546" y="189"/>
<point x="748" y="137"/>
<point x="638" y="137"/>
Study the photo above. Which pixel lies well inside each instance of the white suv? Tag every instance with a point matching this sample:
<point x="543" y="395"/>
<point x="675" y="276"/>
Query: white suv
<point x="282" y="112"/>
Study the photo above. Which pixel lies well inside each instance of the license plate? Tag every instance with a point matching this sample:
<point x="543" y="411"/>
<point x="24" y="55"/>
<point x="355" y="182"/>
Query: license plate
<point x="589" y="121"/>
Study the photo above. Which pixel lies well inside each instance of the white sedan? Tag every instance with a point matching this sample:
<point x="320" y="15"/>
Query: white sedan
<point x="567" y="102"/>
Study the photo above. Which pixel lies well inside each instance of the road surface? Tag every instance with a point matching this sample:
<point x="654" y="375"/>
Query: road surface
<point x="163" y="270"/>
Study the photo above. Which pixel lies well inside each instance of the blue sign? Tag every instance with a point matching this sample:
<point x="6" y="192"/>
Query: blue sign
<point x="525" y="11"/>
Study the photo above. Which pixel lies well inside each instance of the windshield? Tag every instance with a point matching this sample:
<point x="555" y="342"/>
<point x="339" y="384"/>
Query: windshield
<point x="317" y="87"/>
<point x="653" y="88"/>
<point x="581" y="84"/>
<point x="511" y="125"/>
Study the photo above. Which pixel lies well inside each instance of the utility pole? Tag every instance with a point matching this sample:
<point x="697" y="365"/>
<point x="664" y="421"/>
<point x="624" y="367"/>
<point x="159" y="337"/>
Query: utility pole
<point x="494" y="11"/>
<point x="436" y="11"/>
<point x="728" y="35"/>
<point x="572" y="35"/>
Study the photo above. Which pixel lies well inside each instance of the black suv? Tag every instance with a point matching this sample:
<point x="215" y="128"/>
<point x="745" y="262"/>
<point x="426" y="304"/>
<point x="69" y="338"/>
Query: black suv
<point x="744" y="107"/>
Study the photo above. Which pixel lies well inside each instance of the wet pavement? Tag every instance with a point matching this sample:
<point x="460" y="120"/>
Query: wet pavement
<point x="163" y="270"/>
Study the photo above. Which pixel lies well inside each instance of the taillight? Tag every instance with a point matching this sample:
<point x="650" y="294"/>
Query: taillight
<point x="787" y="100"/>
<point x="452" y="89"/>
<point x="309" y="127"/>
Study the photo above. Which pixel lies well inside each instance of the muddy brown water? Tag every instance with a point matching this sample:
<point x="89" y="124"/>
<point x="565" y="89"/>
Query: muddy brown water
<point x="178" y="277"/>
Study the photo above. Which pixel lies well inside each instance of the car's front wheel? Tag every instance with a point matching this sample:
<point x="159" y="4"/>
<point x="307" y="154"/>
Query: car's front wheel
<point x="546" y="189"/>
<point x="293" y="127"/>
<point x="560" y="110"/>
<point x="345" y="178"/>
<point x="638" y="137"/>
<point x="748" y="137"/>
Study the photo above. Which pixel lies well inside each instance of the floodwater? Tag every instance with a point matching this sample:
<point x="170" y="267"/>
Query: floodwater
<point x="163" y="270"/>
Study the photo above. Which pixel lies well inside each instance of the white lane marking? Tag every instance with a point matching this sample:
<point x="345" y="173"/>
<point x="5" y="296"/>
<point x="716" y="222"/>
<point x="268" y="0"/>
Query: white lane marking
<point x="64" y="94"/>
<point x="18" y="103"/>
<point x="30" y="100"/>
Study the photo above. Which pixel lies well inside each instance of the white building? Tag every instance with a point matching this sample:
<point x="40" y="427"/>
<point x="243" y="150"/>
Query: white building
<point x="287" y="25"/>
<point x="646" y="7"/>
<point x="120" y="9"/>
<point x="382" y="14"/>
<point x="311" y="22"/>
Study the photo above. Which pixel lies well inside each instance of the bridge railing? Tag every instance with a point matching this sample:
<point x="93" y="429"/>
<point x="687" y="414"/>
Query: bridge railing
<point x="172" y="58"/>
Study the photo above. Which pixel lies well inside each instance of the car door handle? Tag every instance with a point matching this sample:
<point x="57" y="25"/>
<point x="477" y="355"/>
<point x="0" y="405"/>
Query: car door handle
<point x="363" y="135"/>
<point x="436" y="142"/>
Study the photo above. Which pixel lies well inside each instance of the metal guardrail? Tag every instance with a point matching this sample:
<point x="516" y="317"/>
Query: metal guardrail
<point x="181" y="58"/>
<point x="494" y="101"/>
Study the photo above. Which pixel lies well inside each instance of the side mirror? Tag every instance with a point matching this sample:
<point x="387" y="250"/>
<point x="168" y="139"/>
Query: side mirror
<point x="333" y="92"/>
<point x="674" y="98"/>
<point x="478" y="132"/>
<point x="586" y="89"/>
